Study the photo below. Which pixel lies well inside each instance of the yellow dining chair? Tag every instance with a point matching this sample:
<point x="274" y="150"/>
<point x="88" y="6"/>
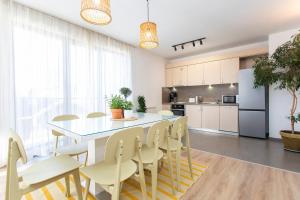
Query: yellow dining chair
<point x="72" y="149"/>
<point x="178" y="131"/>
<point x="35" y="176"/>
<point x="95" y="115"/>
<point x="151" y="154"/>
<point x="166" y="113"/>
<point x="117" y="165"/>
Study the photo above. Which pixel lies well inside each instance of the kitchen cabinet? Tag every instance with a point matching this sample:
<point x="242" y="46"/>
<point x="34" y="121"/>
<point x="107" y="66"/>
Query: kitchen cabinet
<point x="229" y="118"/>
<point x="210" y="117"/>
<point x="180" y="76"/>
<point x="194" y="114"/>
<point x="195" y="74"/>
<point x="212" y="73"/>
<point x="169" y="77"/>
<point x="229" y="70"/>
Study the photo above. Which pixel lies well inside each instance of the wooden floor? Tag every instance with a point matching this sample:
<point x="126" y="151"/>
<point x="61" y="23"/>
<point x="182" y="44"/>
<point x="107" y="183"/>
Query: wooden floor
<point x="231" y="179"/>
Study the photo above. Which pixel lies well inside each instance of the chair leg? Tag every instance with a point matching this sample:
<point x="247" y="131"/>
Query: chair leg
<point x="87" y="188"/>
<point x="170" y="165"/>
<point x="154" y="181"/>
<point x="142" y="181"/>
<point x="77" y="184"/>
<point x="67" y="180"/>
<point x="178" y="153"/>
<point x="86" y="158"/>
<point x="190" y="162"/>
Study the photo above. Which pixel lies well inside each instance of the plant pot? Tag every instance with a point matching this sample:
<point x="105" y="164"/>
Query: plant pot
<point x="291" y="142"/>
<point x="117" y="113"/>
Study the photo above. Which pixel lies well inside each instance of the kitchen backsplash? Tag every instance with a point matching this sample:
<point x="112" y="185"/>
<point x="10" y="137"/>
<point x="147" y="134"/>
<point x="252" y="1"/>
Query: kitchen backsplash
<point x="208" y="94"/>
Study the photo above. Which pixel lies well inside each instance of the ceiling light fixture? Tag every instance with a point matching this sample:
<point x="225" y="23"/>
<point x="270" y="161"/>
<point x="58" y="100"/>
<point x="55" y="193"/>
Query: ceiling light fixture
<point x="193" y="42"/>
<point x="148" y="33"/>
<point x="96" y="11"/>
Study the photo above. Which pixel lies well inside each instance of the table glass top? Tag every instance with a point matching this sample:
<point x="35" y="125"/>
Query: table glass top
<point x="90" y="126"/>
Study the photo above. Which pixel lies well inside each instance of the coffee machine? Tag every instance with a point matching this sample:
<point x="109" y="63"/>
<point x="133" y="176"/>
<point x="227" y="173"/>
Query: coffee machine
<point x="173" y="96"/>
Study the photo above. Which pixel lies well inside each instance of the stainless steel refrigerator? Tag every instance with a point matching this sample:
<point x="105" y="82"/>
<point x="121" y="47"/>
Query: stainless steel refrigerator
<point x="253" y="107"/>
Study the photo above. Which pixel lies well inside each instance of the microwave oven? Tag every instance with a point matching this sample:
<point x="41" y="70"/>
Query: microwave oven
<point x="229" y="99"/>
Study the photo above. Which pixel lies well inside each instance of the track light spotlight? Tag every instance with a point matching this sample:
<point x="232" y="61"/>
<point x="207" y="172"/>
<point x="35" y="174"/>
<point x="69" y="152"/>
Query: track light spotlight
<point x="194" y="42"/>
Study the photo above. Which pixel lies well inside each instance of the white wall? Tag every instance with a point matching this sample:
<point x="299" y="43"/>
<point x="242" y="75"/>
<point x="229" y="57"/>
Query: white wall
<point x="148" y="76"/>
<point x="280" y="101"/>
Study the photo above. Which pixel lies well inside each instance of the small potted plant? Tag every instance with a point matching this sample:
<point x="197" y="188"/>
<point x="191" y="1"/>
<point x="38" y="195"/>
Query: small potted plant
<point x="126" y="92"/>
<point x="142" y="104"/>
<point x="117" y="105"/>
<point x="283" y="70"/>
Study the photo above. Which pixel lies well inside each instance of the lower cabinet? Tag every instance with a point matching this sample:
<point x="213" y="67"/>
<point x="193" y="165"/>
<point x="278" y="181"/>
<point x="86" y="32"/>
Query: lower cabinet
<point x="229" y="118"/>
<point x="213" y="117"/>
<point x="194" y="113"/>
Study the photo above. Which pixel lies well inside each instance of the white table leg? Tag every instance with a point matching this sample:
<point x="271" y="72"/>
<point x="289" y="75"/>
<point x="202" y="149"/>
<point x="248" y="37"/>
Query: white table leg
<point x="96" y="154"/>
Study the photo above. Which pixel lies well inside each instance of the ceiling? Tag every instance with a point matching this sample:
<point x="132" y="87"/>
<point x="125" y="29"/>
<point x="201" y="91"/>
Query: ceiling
<point x="225" y="23"/>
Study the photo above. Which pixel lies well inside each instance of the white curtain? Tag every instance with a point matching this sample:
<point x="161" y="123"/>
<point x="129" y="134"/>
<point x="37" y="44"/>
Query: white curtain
<point x="61" y="68"/>
<point x="7" y="112"/>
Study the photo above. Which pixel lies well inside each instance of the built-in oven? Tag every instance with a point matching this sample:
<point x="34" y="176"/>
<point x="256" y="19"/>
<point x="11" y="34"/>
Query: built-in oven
<point x="178" y="109"/>
<point x="228" y="99"/>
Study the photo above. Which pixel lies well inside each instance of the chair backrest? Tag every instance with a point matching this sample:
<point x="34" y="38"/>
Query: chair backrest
<point x="166" y="113"/>
<point x="179" y="127"/>
<point x="16" y="151"/>
<point x="162" y="129"/>
<point x="62" y="118"/>
<point x="14" y="137"/>
<point x="129" y="137"/>
<point x="95" y="115"/>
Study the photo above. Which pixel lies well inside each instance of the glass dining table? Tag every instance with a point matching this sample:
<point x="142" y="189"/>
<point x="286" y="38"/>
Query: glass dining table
<point x="96" y="131"/>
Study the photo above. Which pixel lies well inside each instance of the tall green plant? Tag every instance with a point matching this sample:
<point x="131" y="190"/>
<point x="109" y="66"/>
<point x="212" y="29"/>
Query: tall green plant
<point x="283" y="70"/>
<point x="142" y="104"/>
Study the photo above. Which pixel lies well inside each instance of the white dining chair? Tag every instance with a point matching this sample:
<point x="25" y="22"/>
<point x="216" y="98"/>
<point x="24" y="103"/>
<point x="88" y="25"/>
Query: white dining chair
<point x="179" y="130"/>
<point x="75" y="149"/>
<point x="95" y="115"/>
<point x="117" y="165"/>
<point x="151" y="154"/>
<point x="166" y="113"/>
<point x="38" y="174"/>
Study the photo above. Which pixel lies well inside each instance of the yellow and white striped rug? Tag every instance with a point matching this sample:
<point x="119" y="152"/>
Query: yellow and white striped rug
<point x="131" y="189"/>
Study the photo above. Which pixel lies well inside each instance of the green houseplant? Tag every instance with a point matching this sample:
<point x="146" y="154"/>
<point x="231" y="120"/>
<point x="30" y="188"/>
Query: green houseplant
<point x="283" y="70"/>
<point x="117" y="105"/>
<point x="142" y="104"/>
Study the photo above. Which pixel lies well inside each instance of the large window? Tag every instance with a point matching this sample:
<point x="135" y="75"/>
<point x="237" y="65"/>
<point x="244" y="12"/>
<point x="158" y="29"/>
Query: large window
<point x="61" y="68"/>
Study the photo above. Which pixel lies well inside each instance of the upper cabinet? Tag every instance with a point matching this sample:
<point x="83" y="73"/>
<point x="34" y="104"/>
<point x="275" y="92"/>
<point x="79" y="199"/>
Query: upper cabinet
<point x="169" y="77"/>
<point x="212" y="73"/>
<point x="229" y="70"/>
<point x="195" y="74"/>
<point x="180" y="76"/>
<point x="209" y="73"/>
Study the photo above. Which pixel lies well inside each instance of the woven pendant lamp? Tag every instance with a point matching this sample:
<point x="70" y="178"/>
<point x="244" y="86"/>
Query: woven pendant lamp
<point x="96" y="11"/>
<point x="148" y="33"/>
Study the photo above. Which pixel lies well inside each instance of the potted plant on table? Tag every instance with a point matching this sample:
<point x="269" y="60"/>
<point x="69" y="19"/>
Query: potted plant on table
<point x="142" y="104"/>
<point x="117" y="105"/>
<point x="283" y="70"/>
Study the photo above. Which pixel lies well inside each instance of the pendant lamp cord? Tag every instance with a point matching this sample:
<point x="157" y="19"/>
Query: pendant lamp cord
<point x="148" y="10"/>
